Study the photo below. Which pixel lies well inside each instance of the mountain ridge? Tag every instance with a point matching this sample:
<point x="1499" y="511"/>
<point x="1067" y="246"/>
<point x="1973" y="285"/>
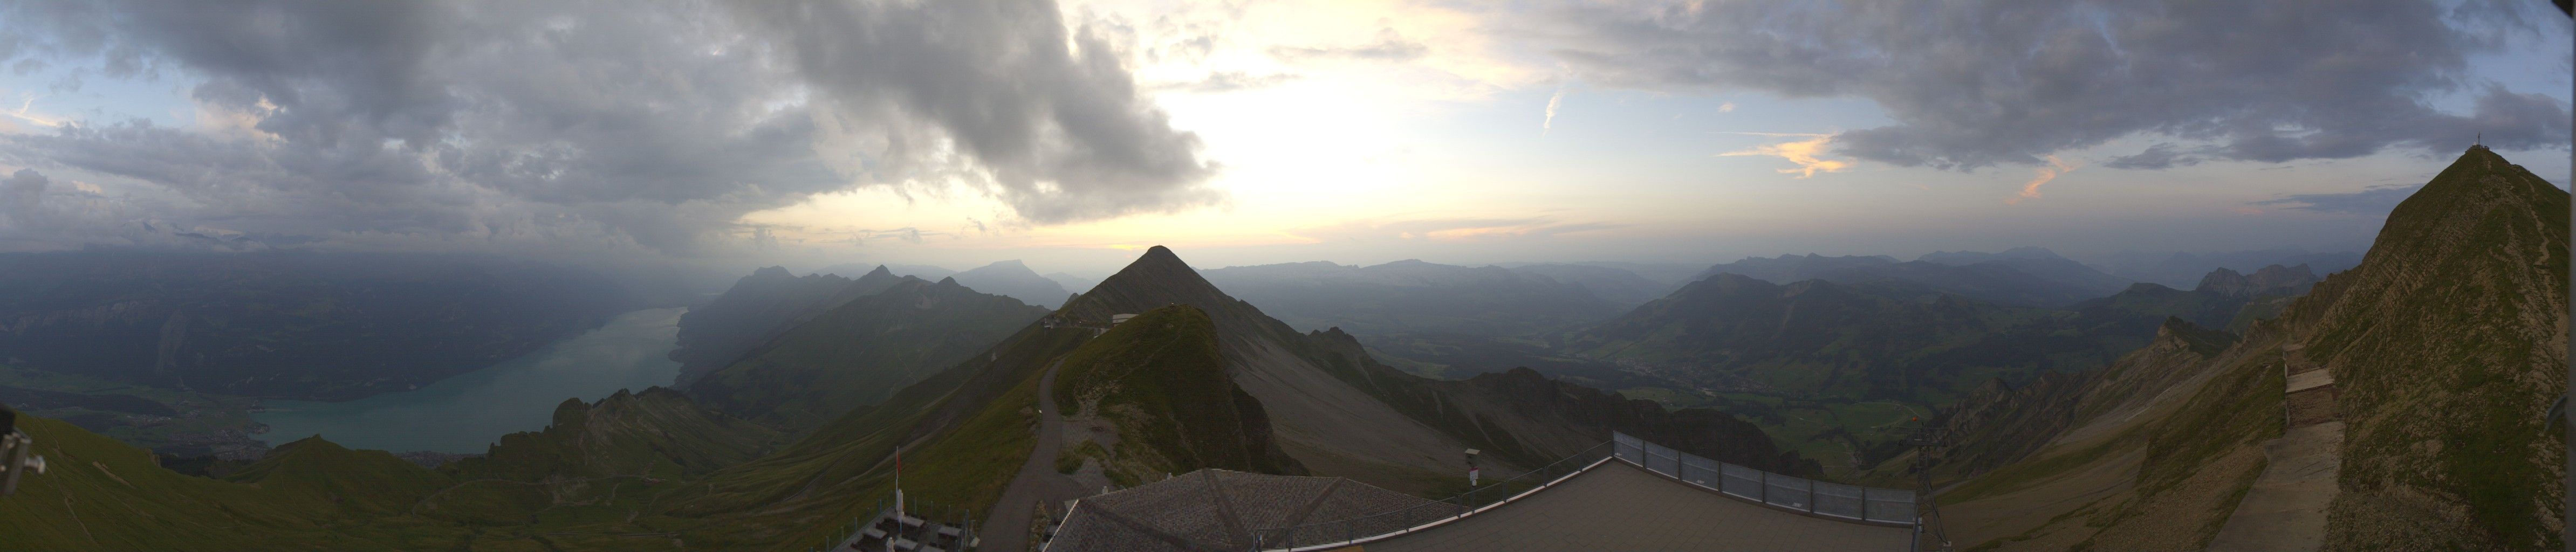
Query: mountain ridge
<point x="2444" y="347"/>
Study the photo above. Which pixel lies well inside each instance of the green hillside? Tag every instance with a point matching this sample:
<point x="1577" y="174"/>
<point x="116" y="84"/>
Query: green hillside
<point x="964" y="432"/>
<point x="1159" y="380"/>
<point x="853" y="355"/>
<point x="100" y="494"/>
<point x="2448" y="344"/>
<point x="757" y="309"/>
<point x="657" y="433"/>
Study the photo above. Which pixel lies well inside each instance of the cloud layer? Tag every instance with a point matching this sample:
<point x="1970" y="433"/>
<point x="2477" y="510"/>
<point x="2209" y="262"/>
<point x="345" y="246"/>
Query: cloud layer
<point x="654" y="123"/>
<point x="1977" y="83"/>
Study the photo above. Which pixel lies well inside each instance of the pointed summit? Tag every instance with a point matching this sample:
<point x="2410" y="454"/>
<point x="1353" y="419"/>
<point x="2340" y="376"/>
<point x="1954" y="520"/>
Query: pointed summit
<point x="878" y="273"/>
<point x="1156" y="279"/>
<point x="1159" y="257"/>
<point x="2479" y="184"/>
<point x="2452" y="330"/>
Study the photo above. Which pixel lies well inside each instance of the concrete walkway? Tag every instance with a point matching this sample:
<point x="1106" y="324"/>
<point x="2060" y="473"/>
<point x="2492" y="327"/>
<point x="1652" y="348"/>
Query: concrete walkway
<point x="1616" y="506"/>
<point x="2286" y="508"/>
<point x="1006" y="528"/>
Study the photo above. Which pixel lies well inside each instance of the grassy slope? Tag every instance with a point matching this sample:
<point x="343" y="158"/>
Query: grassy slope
<point x="853" y="355"/>
<point x="200" y="414"/>
<point x="966" y="430"/>
<point x="657" y="433"/>
<point x="1159" y="376"/>
<point x="2448" y="345"/>
<point x="2142" y="468"/>
<point x="105" y="495"/>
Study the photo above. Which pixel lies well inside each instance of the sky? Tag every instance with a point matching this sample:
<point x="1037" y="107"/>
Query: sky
<point x="1073" y="134"/>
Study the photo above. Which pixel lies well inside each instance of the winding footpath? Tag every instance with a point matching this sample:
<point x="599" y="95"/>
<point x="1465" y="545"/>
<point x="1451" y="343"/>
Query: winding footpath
<point x="1006" y="526"/>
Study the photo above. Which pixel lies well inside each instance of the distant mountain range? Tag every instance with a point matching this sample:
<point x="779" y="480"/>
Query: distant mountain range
<point x="1076" y="284"/>
<point x="1964" y="258"/>
<point x="2181" y="269"/>
<point x="1413" y="296"/>
<point x="925" y="272"/>
<point x="1618" y="286"/>
<point x="853" y="354"/>
<point x="757" y="309"/>
<point x="2029" y="277"/>
<point x="1015" y="280"/>
<point x="1007" y="278"/>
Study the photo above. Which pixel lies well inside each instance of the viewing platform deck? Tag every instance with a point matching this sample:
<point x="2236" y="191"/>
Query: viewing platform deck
<point x="1618" y="506"/>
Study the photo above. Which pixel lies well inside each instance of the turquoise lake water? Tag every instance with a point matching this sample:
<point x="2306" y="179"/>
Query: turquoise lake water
<point x="468" y="412"/>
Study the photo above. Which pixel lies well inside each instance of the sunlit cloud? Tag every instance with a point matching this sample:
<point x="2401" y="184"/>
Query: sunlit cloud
<point x="26" y="112"/>
<point x="1802" y="152"/>
<point x="1552" y="102"/>
<point x="2051" y="172"/>
<point x="1728" y="107"/>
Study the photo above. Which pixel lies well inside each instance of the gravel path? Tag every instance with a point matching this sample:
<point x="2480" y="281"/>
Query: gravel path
<point x="1005" y="528"/>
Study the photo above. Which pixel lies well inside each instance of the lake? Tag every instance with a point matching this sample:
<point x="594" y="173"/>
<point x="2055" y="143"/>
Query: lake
<point x="468" y="412"/>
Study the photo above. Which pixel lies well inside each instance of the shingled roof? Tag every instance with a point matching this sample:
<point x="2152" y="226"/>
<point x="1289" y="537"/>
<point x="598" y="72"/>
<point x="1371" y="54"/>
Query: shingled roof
<point x="1213" y="509"/>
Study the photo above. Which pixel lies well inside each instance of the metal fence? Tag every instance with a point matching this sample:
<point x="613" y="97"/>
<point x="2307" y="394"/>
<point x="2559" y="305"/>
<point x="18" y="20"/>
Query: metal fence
<point x="1894" y="506"/>
<point x="1380" y="525"/>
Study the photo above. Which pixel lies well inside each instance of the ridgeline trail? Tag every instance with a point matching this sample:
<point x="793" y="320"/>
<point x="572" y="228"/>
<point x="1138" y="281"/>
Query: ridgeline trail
<point x="1006" y="526"/>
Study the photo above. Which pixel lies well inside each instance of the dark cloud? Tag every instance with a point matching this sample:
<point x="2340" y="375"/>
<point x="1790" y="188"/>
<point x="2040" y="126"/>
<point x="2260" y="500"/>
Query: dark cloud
<point x="653" y="123"/>
<point x="2376" y="200"/>
<point x="2159" y="156"/>
<point x="1977" y="83"/>
<point x="1388" y="47"/>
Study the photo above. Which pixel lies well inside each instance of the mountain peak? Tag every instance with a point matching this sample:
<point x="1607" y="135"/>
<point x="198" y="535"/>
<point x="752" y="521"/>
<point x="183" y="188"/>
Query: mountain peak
<point x="2452" y="211"/>
<point x="1156" y="279"/>
<point x="881" y="271"/>
<point x="1157" y="258"/>
<point x="772" y="272"/>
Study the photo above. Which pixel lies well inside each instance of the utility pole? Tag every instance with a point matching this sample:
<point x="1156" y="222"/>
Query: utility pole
<point x="1928" y="533"/>
<point x="17" y="455"/>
